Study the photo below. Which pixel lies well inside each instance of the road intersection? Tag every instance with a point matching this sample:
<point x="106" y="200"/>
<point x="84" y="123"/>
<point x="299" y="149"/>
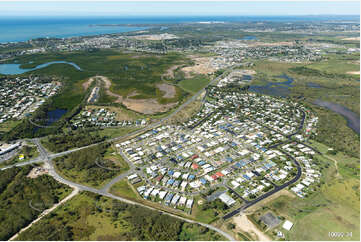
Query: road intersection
<point x="46" y="157"/>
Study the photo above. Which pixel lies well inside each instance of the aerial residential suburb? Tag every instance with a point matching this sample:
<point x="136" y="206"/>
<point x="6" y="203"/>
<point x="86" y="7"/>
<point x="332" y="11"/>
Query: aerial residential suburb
<point x="180" y="120"/>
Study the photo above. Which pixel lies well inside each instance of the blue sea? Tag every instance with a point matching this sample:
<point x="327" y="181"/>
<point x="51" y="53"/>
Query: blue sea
<point x="15" y="29"/>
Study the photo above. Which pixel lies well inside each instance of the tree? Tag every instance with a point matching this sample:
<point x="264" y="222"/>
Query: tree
<point x="231" y="226"/>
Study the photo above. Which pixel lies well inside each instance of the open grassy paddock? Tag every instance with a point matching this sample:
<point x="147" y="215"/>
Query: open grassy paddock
<point x="334" y="207"/>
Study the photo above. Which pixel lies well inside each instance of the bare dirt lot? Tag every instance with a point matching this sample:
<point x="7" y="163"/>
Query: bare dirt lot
<point x="154" y="36"/>
<point x="170" y="72"/>
<point x="147" y="106"/>
<point x="202" y="66"/>
<point x="352" y="38"/>
<point x="244" y="72"/>
<point x="88" y="83"/>
<point x="353" y="72"/>
<point x="169" y="90"/>
<point x="37" y="171"/>
<point x="107" y="84"/>
<point x="243" y="224"/>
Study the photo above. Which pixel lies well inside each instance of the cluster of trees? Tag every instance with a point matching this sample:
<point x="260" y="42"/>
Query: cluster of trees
<point x="73" y="139"/>
<point x="70" y="223"/>
<point x="215" y="204"/>
<point x="305" y="71"/>
<point x="22" y="199"/>
<point x="88" y="165"/>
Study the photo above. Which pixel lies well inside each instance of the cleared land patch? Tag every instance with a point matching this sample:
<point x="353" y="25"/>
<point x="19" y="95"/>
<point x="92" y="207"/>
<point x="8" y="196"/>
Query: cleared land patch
<point x="202" y="66"/>
<point x="169" y="90"/>
<point x="244" y="224"/>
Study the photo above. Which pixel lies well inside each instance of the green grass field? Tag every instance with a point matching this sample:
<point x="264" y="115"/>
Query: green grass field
<point x="8" y="125"/>
<point x="340" y="64"/>
<point x="116" y="132"/>
<point x="194" y="84"/>
<point x="334" y="207"/>
<point x="123" y="189"/>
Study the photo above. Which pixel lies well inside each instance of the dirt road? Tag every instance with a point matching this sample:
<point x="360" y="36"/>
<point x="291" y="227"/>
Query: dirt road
<point x="47" y="211"/>
<point x="245" y="225"/>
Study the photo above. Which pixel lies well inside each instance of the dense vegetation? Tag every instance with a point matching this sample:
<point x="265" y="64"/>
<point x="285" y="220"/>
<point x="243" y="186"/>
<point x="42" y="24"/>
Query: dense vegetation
<point x="19" y="195"/>
<point x="92" y="166"/>
<point x="130" y="73"/>
<point x="329" y="130"/>
<point x="92" y="217"/>
<point x="72" y="139"/>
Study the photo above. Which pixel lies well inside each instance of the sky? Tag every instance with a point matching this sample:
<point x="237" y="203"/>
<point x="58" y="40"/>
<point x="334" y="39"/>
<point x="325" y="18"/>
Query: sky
<point x="176" y="8"/>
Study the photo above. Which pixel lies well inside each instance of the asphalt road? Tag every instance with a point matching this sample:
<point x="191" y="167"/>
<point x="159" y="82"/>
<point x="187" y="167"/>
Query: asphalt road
<point x="56" y="176"/>
<point x="47" y="158"/>
<point x="277" y="188"/>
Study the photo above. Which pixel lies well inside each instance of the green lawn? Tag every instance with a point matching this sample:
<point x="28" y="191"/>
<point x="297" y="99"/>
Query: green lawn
<point x="194" y="84"/>
<point x="116" y="132"/>
<point x="205" y="216"/>
<point x="6" y="126"/>
<point x="124" y="189"/>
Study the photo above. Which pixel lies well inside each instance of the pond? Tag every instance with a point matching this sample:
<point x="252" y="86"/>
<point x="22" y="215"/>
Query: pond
<point x="54" y="115"/>
<point x="249" y="37"/>
<point x="15" y="69"/>
<point x="353" y="119"/>
<point x="274" y="88"/>
<point x="51" y="117"/>
<point x="313" y="85"/>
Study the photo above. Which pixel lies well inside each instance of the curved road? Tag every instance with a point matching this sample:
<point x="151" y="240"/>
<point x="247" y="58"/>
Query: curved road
<point x="47" y="158"/>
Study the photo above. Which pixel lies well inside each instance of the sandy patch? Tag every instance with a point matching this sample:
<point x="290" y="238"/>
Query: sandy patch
<point x="352" y="38"/>
<point x="353" y="72"/>
<point x="88" y="83"/>
<point x="169" y="90"/>
<point x="154" y="36"/>
<point x="107" y="84"/>
<point x="242" y="223"/>
<point x="244" y="72"/>
<point x="147" y="106"/>
<point x="202" y="66"/>
<point x="170" y="72"/>
<point x="37" y="171"/>
<point x="282" y="43"/>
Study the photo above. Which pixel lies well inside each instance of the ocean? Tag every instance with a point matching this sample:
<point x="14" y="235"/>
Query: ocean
<point x="15" y="29"/>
